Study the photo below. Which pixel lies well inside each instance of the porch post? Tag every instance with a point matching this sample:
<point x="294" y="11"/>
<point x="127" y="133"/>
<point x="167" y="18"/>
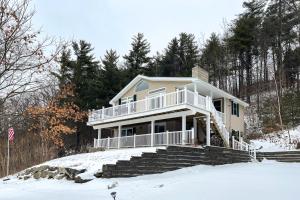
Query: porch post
<point x="119" y="135"/>
<point x="99" y="137"/>
<point x="99" y="133"/>
<point x="208" y="130"/>
<point x="195" y="129"/>
<point x="195" y="95"/>
<point x="152" y="132"/>
<point x="185" y="94"/>
<point x="183" y="129"/>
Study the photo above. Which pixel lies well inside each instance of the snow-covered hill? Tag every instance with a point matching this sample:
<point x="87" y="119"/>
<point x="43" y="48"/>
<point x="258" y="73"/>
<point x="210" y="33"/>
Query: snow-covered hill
<point x="279" y="141"/>
<point x="93" y="162"/>
<point x="247" y="181"/>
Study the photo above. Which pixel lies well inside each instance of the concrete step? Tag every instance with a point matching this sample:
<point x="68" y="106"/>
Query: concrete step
<point x="172" y="158"/>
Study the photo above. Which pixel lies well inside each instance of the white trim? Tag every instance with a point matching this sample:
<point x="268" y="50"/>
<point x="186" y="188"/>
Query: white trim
<point x="145" y="119"/>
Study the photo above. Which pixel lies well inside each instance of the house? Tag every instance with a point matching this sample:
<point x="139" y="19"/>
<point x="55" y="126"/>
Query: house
<point x="156" y="111"/>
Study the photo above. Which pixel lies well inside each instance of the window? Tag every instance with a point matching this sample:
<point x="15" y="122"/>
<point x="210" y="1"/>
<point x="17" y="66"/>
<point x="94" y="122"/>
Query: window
<point x="127" y="132"/>
<point x="126" y="100"/>
<point x="236" y="134"/>
<point x="235" y="110"/>
<point x="142" y="85"/>
<point x="218" y="105"/>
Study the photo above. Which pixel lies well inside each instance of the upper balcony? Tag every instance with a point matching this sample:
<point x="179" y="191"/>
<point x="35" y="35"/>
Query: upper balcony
<point x="152" y="105"/>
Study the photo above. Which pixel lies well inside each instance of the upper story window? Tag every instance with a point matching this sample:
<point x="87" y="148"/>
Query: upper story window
<point x="235" y="109"/>
<point x="126" y="100"/>
<point x="142" y="85"/>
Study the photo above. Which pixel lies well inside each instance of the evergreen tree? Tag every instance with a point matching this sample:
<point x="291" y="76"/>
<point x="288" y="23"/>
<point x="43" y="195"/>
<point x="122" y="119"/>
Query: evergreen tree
<point x="188" y="53"/>
<point x="212" y="59"/>
<point x="244" y="43"/>
<point x="170" y="65"/>
<point x="138" y="58"/>
<point x="86" y="77"/>
<point x="111" y="75"/>
<point x="180" y="56"/>
<point x="64" y="74"/>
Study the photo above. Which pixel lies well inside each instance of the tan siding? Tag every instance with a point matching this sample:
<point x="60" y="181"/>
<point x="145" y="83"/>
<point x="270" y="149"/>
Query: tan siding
<point x="232" y="121"/>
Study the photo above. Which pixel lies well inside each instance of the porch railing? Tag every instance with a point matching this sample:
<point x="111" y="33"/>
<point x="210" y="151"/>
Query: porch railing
<point x="244" y="146"/>
<point x="159" y="139"/>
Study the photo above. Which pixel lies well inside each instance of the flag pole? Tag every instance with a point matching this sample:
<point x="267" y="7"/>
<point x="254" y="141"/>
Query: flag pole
<point x="7" y="169"/>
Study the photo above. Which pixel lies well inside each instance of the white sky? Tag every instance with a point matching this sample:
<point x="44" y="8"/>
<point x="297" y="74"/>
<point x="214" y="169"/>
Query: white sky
<point x="112" y="23"/>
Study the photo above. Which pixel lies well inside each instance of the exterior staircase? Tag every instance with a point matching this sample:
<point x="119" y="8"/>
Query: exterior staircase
<point x="173" y="158"/>
<point x="281" y="156"/>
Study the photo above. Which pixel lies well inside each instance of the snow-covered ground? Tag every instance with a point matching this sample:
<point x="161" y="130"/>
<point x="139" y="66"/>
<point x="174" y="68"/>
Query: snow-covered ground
<point x="247" y="181"/>
<point x="93" y="162"/>
<point x="278" y="141"/>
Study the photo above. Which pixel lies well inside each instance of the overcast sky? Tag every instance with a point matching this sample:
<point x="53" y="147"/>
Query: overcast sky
<point x="112" y="23"/>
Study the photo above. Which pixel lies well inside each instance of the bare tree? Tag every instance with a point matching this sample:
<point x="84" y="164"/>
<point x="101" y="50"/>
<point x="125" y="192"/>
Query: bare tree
<point x="22" y="54"/>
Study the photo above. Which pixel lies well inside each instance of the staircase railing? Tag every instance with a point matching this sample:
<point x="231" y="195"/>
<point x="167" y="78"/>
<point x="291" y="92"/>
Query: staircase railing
<point x="219" y="120"/>
<point x="244" y="146"/>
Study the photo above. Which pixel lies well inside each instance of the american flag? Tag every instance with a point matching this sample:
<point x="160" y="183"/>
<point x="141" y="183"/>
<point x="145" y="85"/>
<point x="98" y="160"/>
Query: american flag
<point x="11" y="134"/>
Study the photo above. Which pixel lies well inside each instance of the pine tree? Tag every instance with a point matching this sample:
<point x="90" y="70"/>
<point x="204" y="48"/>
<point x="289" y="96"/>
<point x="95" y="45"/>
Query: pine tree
<point x="86" y="77"/>
<point x="111" y="75"/>
<point x="171" y="60"/>
<point x="212" y="59"/>
<point x="188" y="53"/>
<point x="138" y="58"/>
<point x="64" y="74"/>
<point x="244" y="43"/>
<point x="180" y="56"/>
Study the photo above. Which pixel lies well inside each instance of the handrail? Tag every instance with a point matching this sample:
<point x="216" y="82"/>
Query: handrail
<point x="219" y="121"/>
<point x="244" y="146"/>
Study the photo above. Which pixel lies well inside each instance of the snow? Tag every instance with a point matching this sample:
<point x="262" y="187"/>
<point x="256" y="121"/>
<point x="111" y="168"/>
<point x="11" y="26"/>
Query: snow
<point x="278" y="141"/>
<point x="93" y="162"/>
<point x="246" y="181"/>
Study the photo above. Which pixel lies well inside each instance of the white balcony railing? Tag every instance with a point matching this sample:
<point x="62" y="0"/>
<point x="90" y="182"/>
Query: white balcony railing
<point x="159" y="139"/>
<point x="148" y="104"/>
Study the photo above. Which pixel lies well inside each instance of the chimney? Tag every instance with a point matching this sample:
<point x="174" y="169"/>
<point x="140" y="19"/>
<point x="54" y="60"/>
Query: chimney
<point x="200" y="73"/>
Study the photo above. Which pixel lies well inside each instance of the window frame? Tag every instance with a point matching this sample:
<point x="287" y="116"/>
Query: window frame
<point x="142" y="89"/>
<point x="235" y="108"/>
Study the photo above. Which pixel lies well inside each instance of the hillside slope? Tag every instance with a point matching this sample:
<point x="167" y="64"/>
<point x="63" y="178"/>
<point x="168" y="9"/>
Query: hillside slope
<point x="278" y="141"/>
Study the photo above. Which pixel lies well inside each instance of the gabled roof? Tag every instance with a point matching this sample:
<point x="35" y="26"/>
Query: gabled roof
<point x="177" y="79"/>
